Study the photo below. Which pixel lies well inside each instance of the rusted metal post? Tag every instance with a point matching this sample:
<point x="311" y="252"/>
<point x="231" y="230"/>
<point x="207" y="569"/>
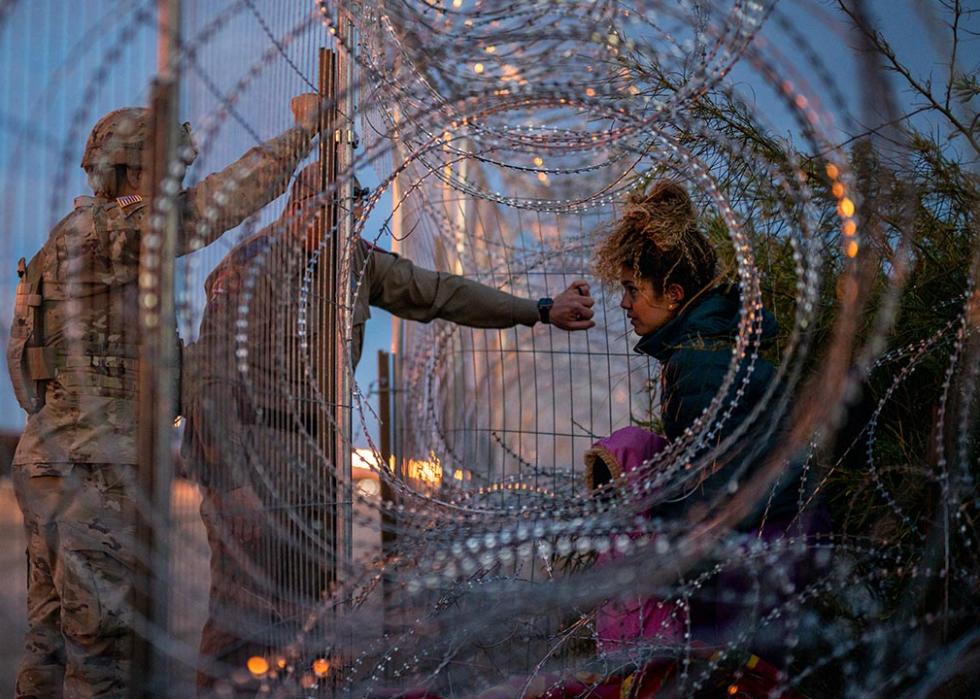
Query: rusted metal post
<point x="336" y="144"/>
<point x="326" y="283"/>
<point x="159" y="372"/>
<point x="343" y="136"/>
<point x="388" y="520"/>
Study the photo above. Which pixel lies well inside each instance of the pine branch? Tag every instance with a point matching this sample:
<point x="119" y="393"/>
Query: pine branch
<point x="882" y="46"/>
<point x="957" y="10"/>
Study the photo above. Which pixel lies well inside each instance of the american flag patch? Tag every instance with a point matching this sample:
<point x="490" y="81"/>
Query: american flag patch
<point x="128" y="200"/>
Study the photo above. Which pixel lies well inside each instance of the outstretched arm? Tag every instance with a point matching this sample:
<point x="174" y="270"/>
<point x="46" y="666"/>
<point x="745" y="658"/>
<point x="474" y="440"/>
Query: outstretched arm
<point x="224" y="199"/>
<point x="414" y="293"/>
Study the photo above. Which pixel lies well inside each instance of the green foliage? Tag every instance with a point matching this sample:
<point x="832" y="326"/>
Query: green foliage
<point x="918" y="208"/>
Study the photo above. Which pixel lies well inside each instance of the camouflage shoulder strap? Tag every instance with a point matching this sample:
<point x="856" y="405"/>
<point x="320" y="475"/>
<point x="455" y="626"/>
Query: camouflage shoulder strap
<point x="101" y="224"/>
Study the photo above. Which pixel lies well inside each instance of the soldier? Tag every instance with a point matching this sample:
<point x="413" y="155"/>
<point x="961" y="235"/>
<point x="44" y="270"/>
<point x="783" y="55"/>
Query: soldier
<point x="239" y="423"/>
<point x="73" y="358"/>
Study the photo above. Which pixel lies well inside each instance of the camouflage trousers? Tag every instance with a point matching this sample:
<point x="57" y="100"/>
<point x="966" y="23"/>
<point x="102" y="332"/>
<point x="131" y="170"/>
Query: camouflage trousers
<point x="256" y="607"/>
<point x="238" y="611"/>
<point x="80" y="538"/>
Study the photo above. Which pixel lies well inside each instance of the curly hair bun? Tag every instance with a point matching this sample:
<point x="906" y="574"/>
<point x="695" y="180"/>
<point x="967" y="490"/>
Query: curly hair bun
<point x="667" y="193"/>
<point x="658" y="237"/>
<point x="664" y="213"/>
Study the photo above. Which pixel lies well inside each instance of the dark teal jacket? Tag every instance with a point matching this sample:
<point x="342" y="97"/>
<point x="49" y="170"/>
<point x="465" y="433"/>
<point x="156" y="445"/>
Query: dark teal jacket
<point x="695" y="351"/>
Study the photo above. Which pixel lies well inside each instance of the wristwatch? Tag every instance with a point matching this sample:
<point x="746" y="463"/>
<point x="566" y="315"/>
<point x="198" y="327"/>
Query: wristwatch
<point x="544" y="309"/>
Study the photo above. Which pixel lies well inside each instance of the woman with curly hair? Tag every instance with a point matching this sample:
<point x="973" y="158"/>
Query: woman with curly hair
<point x="684" y="310"/>
<point x="687" y="315"/>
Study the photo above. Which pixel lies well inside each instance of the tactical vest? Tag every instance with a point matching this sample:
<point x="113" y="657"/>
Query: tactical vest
<point x="90" y="362"/>
<point x="29" y="362"/>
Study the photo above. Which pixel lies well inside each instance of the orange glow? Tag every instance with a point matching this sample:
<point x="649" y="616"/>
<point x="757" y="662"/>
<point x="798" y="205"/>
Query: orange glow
<point x="538" y="160"/>
<point x="321" y="666"/>
<point x="590" y="91"/>
<point x="846" y="207"/>
<point x="367" y="458"/>
<point x="733" y="689"/>
<point x="850" y="227"/>
<point x="852" y="249"/>
<point x="257" y="665"/>
<point x="510" y="72"/>
<point x="281" y="663"/>
<point x="837" y="189"/>
<point x="496" y="487"/>
<point x="429" y="472"/>
<point x="832" y="171"/>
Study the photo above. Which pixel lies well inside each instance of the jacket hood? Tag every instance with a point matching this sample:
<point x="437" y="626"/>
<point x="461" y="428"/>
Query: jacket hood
<point x="622" y="452"/>
<point x="711" y="321"/>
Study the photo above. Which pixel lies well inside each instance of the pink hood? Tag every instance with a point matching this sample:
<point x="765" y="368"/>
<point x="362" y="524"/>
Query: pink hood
<point x="623" y="452"/>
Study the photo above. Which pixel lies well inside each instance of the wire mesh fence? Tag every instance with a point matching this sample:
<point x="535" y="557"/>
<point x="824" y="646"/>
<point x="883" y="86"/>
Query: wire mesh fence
<point x="762" y="483"/>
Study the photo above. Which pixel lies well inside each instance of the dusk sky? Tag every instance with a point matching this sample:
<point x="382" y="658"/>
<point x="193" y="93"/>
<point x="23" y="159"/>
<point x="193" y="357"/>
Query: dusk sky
<point x="52" y="52"/>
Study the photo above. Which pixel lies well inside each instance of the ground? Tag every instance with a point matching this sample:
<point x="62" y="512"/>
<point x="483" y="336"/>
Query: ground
<point x="190" y="577"/>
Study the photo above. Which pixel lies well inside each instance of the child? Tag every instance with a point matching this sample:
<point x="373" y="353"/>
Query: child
<point x="612" y="462"/>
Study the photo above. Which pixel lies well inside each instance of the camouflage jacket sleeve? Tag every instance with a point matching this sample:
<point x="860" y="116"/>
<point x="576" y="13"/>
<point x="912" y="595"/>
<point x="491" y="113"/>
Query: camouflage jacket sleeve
<point x="224" y="199"/>
<point x="225" y="457"/>
<point x="214" y="449"/>
<point x="414" y="293"/>
<point x="214" y="398"/>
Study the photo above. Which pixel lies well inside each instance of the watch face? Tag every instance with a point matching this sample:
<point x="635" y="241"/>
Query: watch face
<point x="544" y="309"/>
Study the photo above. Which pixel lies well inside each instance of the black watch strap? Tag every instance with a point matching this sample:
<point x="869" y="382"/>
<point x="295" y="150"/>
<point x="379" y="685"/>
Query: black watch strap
<point x="544" y="309"/>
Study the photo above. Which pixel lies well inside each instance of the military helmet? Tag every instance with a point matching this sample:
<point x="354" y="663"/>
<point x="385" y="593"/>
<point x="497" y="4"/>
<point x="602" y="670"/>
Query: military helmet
<point x="119" y="137"/>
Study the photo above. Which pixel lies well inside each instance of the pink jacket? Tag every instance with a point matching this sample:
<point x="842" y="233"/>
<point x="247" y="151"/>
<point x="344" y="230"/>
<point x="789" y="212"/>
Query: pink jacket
<point x="631" y="619"/>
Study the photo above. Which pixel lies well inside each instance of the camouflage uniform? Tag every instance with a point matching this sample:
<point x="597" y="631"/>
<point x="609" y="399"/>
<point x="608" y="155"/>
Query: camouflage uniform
<point x="74" y="361"/>
<point x="80" y="538"/>
<point x="241" y="422"/>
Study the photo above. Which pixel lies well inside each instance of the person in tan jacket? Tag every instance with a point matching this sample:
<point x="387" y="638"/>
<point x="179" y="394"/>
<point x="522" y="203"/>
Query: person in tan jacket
<point x="73" y="360"/>
<point x="252" y="407"/>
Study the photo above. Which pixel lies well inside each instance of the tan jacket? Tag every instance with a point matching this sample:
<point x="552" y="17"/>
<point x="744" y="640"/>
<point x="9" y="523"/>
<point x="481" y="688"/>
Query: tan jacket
<point x="89" y="269"/>
<point x="252" y="371"/>
<point x="399" y="287"/>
